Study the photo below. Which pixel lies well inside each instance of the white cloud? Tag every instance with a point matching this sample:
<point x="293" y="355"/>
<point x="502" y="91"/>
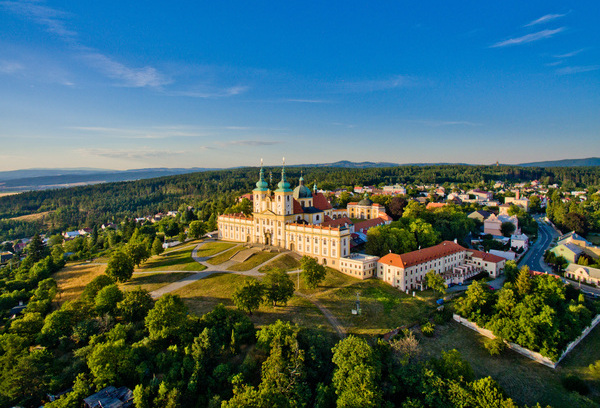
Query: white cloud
<point x="10" y="67"/>
<point x="249" y="143"/>
<point x="142" y="153"/>
<point x="211" y="92"/>
<point x="149" y="133"/>
<point x="570" y="54"/>
<point x="51" y="19"/>
<point x="577" y="69"/>
<point x="437" y="123"/>
<point x="540" y="35"/>
<point x="395" y="82"/>
<point x="129" y="77"/>
<point x="544" y="19"/>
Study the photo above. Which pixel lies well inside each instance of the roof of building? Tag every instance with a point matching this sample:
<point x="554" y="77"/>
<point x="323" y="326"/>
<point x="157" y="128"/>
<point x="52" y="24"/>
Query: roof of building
<point x="487" y="257"/>
<point x="110" y="397"/>
<point x="335" y="223"/>
<point x="297" y="208"/>
<point x="422" y="255"/>
<point x="301" y="191"/>
<point x="592" y="272"/>
<point x="321" y="202"/>
<point x="366" y="224"/>
<point x="484" y="214"/>
<point x="572" y="236"/>
<point x="366" y="201"/>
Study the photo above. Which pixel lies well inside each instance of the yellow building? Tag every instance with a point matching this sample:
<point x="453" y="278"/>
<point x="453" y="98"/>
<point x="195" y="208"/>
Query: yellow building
<point x="365" y="209"/>
<point x="289" y="219"/>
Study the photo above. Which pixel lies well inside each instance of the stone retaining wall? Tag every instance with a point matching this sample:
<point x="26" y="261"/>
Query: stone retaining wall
<point x="535" y="356"/>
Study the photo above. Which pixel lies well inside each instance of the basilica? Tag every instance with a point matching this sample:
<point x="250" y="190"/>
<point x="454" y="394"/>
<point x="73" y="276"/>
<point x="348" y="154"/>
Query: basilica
<point x="298" y="220"/>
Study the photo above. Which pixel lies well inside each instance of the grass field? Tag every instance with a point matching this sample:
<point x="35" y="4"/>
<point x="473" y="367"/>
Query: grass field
<point x="153" y="281"/>
<point x="383" y="307"/>
<point x="31" y="217"/>
<point x="202" y="296"/>
<point x="224" y="256"/>
<point x="524" y="380"/>
<point x="72" y="279"/>
<point x="593" y="238"/>
<point x="213" y="248"/>
<point x="175" y="260"/>
<point x="252" y="262"/>
<point x="284" y="262"/>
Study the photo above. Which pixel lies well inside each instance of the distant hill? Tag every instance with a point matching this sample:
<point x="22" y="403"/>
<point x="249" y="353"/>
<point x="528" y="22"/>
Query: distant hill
<point x="591" y="161"/>
<point x="349" y="164"/>
<point x="43" y="179"/>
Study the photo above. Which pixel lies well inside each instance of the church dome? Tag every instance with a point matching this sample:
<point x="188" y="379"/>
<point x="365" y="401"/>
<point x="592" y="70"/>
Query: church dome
<point x="302" y="191"/>
<point x="261" y="184"/>
<point x="365" y="201"/>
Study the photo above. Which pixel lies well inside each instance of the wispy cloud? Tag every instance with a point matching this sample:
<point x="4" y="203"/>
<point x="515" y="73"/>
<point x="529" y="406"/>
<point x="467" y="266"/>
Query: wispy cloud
<point x="544" y="19"/>
<point x="211" y="92"/>
<point x="570" y="54"/>
<point x="142" y="154"/>
<point x="130" y="77"/>
<point x="555" y="63"/>
<point x="437" y="123"/>
<point x="150" y="133"/>
<point x="306" y="100"/>
<point x="10" y="67"/>
<point x="540" y="35"/>
<point x="51" y="19"/>
<point x="395" y="82"/>
<point x="577" y="69"/>
<point x="250" y="143"/>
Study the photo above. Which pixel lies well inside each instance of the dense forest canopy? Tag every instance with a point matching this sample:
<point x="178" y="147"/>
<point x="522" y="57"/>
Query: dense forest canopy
<point x="214" y="191"/>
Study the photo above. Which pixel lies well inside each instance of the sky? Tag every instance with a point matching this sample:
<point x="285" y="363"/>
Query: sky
<point x="131" y="84"/>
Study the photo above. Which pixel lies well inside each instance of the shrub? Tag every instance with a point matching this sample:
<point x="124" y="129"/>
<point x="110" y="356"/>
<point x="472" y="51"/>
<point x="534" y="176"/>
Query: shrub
<point x="495" y="346"/>
<point x="428" y="329"/>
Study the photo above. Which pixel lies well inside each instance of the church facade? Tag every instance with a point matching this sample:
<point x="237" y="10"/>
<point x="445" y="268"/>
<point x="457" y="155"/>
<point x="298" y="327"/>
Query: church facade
<point x="291" y="219"/>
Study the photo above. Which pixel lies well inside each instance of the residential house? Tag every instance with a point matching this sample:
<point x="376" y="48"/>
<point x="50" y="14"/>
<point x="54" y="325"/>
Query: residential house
<point x="493" y="224"/>
<point x="519" y="241"/>
<point x="569" y="251"/>
<point x="583" y="274"/>
<point x="110" y="396"/>
<point x="479" y="215"/>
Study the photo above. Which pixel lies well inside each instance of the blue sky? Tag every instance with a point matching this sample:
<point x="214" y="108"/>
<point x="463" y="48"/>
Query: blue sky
<point x="116" y="84"/>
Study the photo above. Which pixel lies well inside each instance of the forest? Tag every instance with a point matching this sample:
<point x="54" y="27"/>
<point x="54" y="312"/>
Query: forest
<point x="212" y="192"/>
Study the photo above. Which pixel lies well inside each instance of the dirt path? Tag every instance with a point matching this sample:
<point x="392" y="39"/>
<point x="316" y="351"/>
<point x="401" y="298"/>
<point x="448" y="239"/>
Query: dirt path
<point x="337" y="326"/>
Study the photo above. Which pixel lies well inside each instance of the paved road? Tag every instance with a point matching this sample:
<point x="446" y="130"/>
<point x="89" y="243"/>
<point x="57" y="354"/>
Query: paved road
<point x="534" y="257"/>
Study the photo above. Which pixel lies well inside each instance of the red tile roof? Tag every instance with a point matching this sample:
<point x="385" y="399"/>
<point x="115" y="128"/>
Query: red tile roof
<point x="320" y="202"/>
<point x="435" y="205"/>
<point x="365" y="225"/>
<point x="297" y="207"/>
<point x="422" y="255"/>
<point x="486" y="257"/>
<point x="335" y="223"/>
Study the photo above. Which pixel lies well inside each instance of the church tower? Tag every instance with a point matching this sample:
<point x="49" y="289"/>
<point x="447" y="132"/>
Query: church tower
<point x="261" y="192"/>
<point x="283" y="195"/>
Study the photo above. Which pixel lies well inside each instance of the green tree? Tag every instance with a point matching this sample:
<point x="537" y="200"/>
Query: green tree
<point x="249" y="295"/>
<point x="135" y="305"/>
<point x="91" y="289"/>
<point x="436" y="282"/>
<point x="168" y="318"/>
<point x="523" y="283"/>
<point x="313" y="273"/>
<point x="111" y="363"/>
<point x="137" y="251"/>
<point x="196" y="229"/>
<point x="278" y="286"/>
<point x="120" y="266"/>
<point x="107" y="298"/>
<point x="157" y="247"/>
<point x="356" y="376"/>
<point x="36" y="249"/>
<point x="511" y="271"/>
<point x="507" y="228"/>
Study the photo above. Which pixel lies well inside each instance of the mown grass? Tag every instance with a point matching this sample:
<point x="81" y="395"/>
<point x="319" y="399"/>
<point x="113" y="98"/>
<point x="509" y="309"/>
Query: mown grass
<point x="203" y="295"/>
<point x="174" y="260"/>
<point x="73" y="278"/>
<point x="383" y="307"/>
<point x="252" y="262"/>
<point x="284" y="262"/>
<point x="524" y="380"/>
<point x="213" y="248"/>
<point x="153" y="281"/>
<point x="224" y="256"/>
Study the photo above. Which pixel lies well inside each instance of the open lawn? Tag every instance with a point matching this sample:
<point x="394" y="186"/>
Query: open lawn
<point x="202" y="296"/>
<point x="524" y="380"/>
<point x="72" y="279"/>
<point x="174" y="260"/>
<point x="212" y="248"/>
<point x="31" y="217"/>
<point x="593" y="238"/>
<point x="383" y="307"/>
<point x="224" y="256"/>
<point x="153" y="281"/>
<point x="252" y="262"/>
<point x="284" y="262"/>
